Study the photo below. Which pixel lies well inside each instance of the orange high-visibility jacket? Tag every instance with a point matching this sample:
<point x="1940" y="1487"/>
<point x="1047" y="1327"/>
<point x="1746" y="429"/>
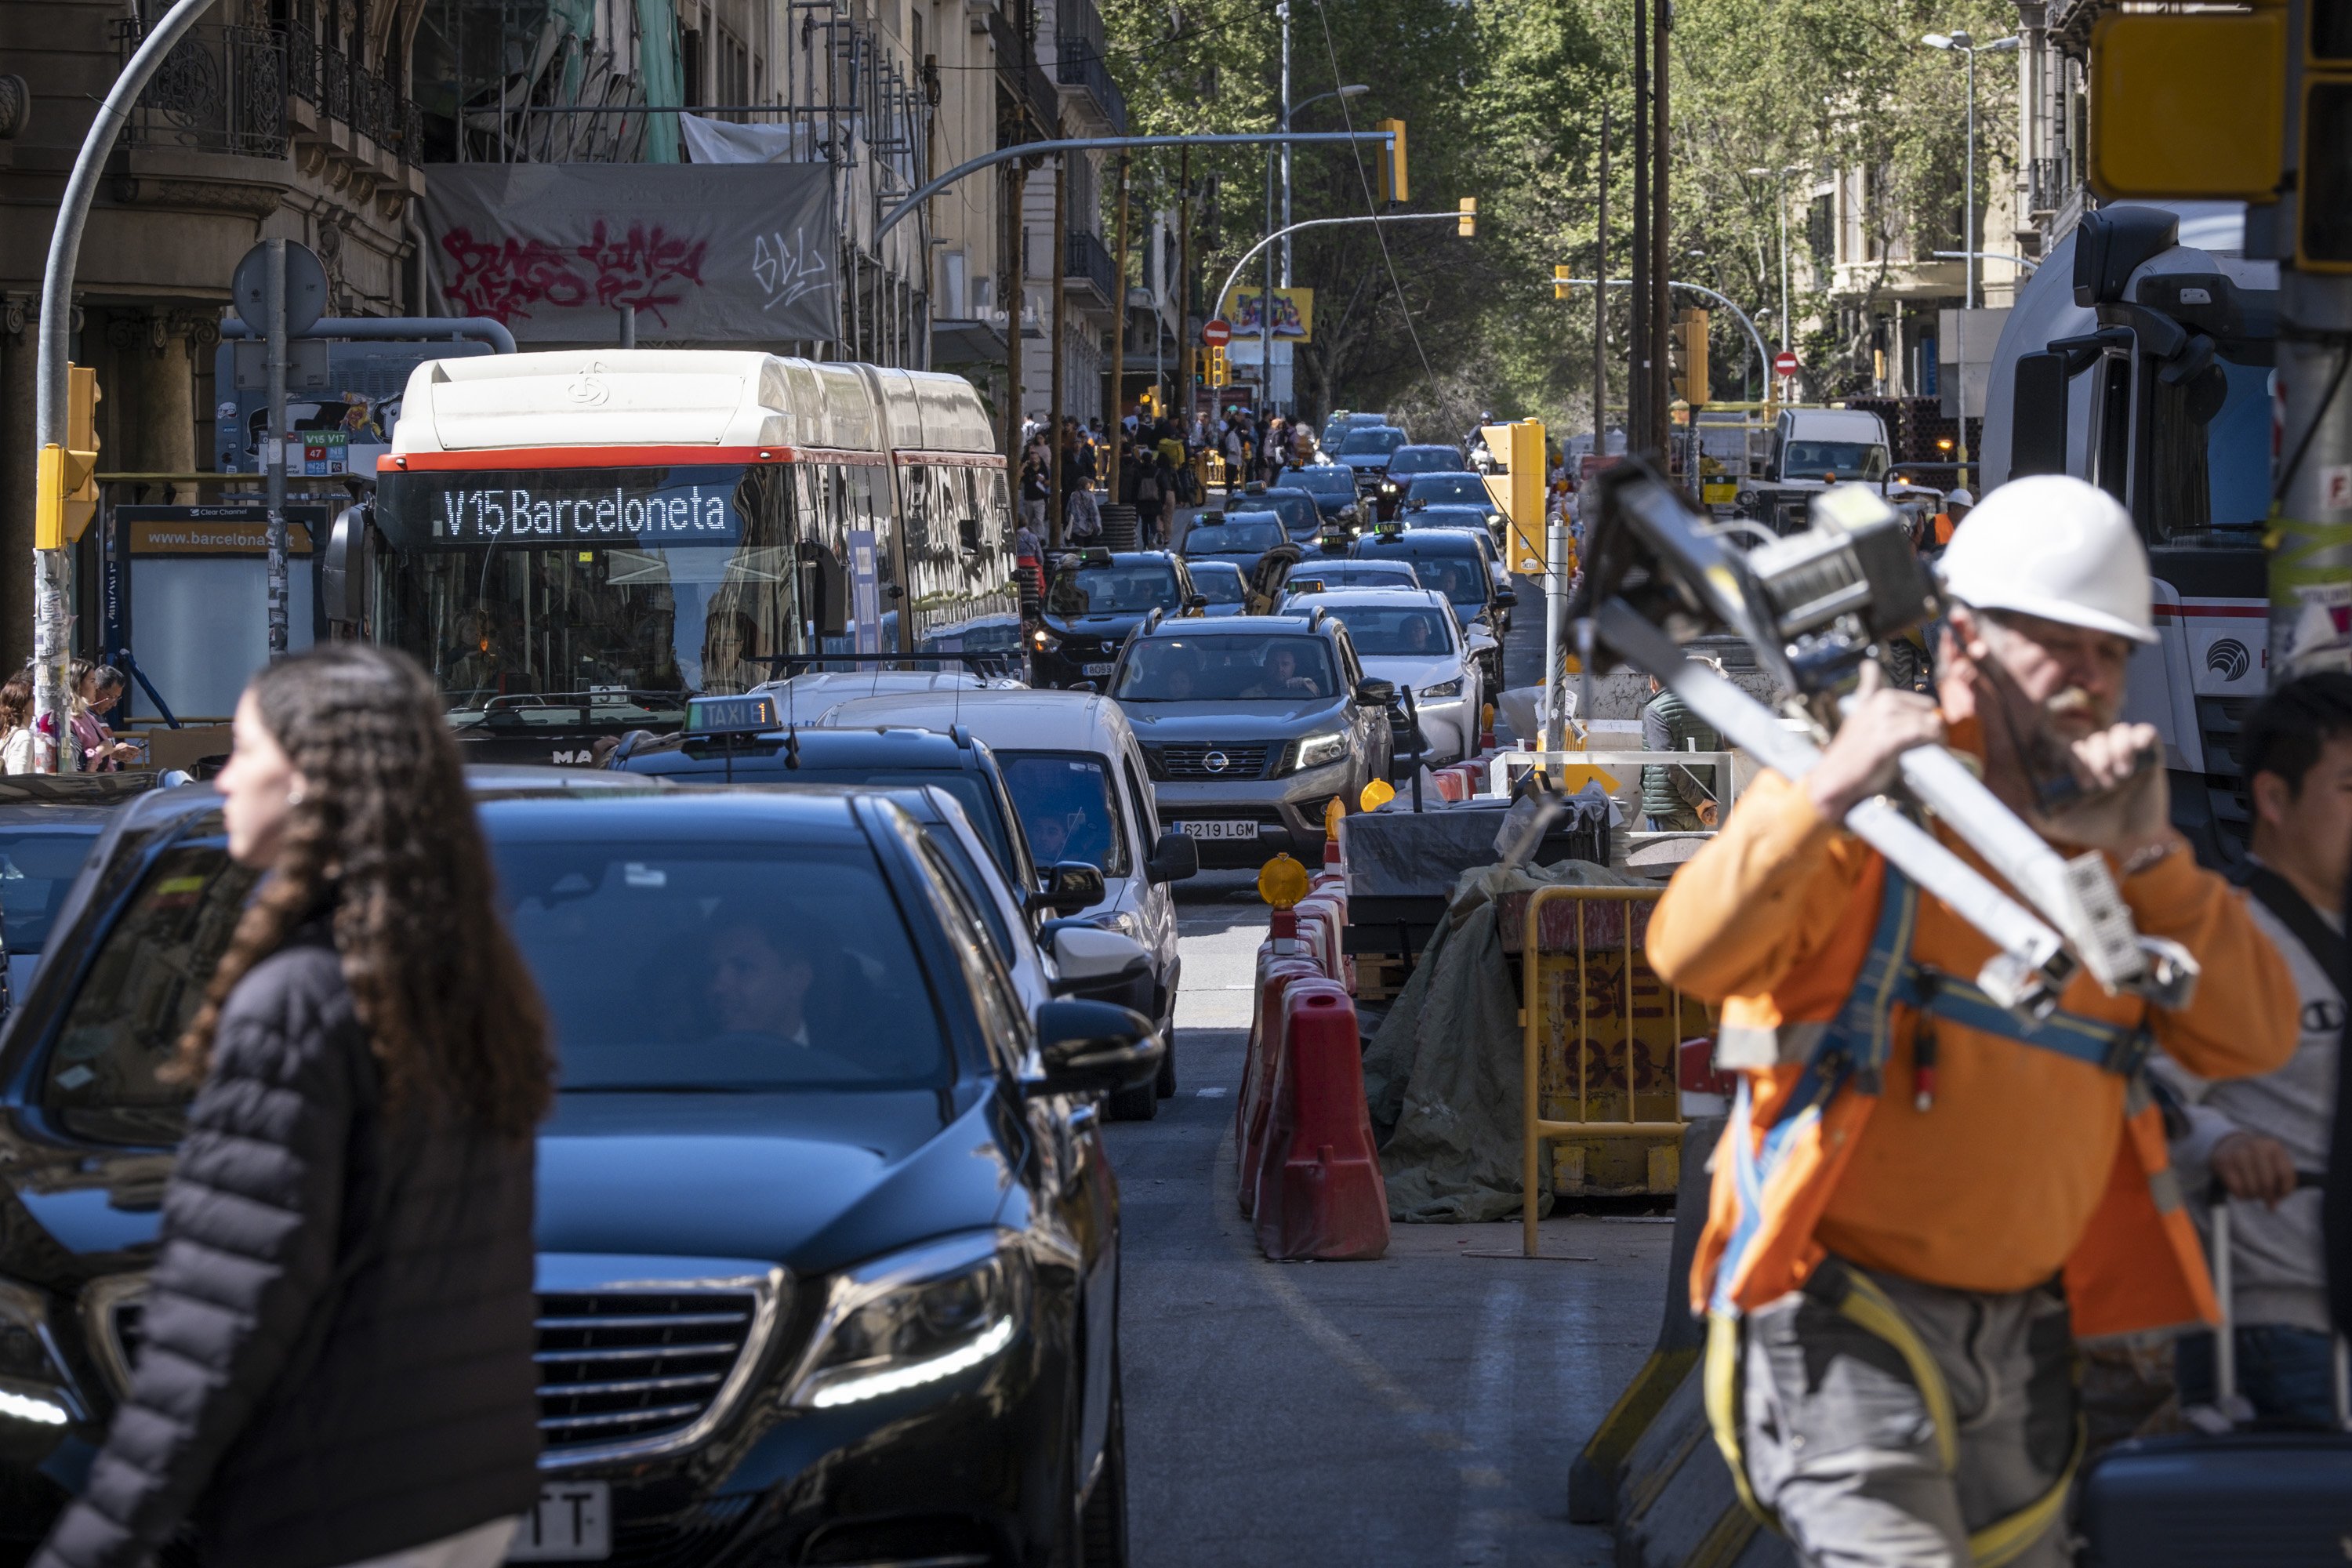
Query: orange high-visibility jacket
<point x="2028" y="1162"/>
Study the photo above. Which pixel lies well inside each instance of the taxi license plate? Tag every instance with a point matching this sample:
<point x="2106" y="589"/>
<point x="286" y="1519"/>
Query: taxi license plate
<point x="1096" y="668"/>
<point x="1220" y="829"/>
<point x="572" y="1523"/>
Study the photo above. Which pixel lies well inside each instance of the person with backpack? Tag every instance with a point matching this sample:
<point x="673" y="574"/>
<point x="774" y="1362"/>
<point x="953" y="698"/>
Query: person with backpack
<point x="335" y="1363"/>
<point x="2257" y="1136"/>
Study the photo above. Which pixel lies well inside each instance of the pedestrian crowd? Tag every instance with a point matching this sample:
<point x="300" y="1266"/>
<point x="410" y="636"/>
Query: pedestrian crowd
<point x="29" y="746"/>
<point x="1160" y="469"/>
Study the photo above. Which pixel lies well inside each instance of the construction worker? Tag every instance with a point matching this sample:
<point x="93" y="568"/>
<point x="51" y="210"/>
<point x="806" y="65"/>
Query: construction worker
<point x="1957" y="505"/>
<point x="1919" y="1202"/>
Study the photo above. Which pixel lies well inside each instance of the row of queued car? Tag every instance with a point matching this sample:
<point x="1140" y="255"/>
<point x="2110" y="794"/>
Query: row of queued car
<point x="827" y="1231"/>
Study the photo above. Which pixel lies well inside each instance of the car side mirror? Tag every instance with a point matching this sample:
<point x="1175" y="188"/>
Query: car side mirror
<point x="1374" y="693"/>
<point x="1505" y="598"/>
<point x="1174" y="858"/>
<point x="1088" y="959"/>
<point x="1195" y="602"/>
<point x="1092" y="1048"/>
<point x="1070" y="886"/>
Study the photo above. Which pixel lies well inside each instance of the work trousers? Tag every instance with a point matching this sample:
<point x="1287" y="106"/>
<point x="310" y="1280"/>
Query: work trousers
<point x="1839" y="1444"/>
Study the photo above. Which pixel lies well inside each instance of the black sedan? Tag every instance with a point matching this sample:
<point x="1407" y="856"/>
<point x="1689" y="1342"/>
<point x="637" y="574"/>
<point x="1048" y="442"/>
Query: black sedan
<point x="1333" y="486"/>
<point x="1240" y="536"/>
<point x="1095" y="598"/>
<point x="1407" y="461"/>
<point x="1448" y="489"/>
<point x="828" y="1243"/>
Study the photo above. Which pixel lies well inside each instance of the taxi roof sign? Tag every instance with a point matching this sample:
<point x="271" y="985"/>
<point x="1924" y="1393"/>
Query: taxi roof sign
<point x="731" y="715"/>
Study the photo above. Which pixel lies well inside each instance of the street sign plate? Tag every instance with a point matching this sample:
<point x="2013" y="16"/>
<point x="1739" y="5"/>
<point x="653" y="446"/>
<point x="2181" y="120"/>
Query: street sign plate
<point x="1217" y="333"/>
<point x="1784" y="363"/>
<point x="305" y="288"/>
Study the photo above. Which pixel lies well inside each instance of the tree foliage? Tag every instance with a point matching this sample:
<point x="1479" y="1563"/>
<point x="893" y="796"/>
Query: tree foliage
<point x="1507" y="102"/>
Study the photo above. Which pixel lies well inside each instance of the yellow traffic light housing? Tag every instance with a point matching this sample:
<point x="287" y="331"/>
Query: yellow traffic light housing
<point x="1220" y="370"/>
<point x="1394" y="187"/>
<point x="1691" y="379"/>
<point x="65" y="477"/>
<point x="1519" y="491"/>
<point x="1559" y="285"/>
<point x="1466" y="225"/>
<point x="2189" y="106"/>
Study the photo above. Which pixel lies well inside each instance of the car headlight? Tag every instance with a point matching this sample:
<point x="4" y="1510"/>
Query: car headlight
<point x="32" y="1387"/>
<point x="1317" y="750"/>
<point x="1494" y="520"/>
<point x="1122" y="922"/>
<point x="1444" y="688"/>
<point x="1044" y="641"/>
<point x="914" y="1319"/>
<point x="1387" y="488"/>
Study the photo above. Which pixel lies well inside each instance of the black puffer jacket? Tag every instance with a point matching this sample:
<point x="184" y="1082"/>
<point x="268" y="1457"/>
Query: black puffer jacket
<point x="337" y="1341"/>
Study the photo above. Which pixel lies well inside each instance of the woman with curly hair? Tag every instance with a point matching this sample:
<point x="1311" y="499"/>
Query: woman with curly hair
<point x="336" y="1357"/>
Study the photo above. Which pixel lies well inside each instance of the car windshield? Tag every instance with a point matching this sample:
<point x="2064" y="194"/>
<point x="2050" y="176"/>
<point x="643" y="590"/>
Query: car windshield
<point x="721" y="966"/>
<point x="1834" y="459"/>
<point x="1219" y="582"/>
<point x="1472" y="518"/>
<point x="1323" y="481"/>
<point x="1451" y="489"/>
<point x="1068" y="807"/>
<point x="1363" y="443"/>
<point x="35" y="870"/>
<point x="1404" y="631"/>
<point x="968" y="789"/>
<point x="1236" y="535"/>
<point x="1461" y="578"/>
<point x="1129" y="589"/>
<point x="1296" y="509"/>
<point x="1425" y="460"/>
<point x="1264" y="669"/>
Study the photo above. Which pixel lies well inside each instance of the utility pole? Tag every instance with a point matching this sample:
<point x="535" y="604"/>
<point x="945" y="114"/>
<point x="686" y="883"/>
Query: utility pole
<point x="1061" y="320"/>
<point x="1661" y="229"/>
<point x="1118" y="341"/>
<point x="1283" y="11"/>
<point x="1600" y="305"/>
<point x="1266" y="311"/>
<point x="1015" y="188"/>
<point x="1637" y="387"/>
<point x="1184" y="284"/>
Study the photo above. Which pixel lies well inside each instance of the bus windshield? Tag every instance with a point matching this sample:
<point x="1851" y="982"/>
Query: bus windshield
<point x="547" y="596"/>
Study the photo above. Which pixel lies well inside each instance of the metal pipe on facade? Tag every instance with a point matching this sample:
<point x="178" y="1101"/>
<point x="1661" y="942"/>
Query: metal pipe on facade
<point x="397" y="329"/>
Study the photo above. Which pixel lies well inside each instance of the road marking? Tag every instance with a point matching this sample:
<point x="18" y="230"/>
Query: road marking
<point x="1215" y="1092"/>
<point x="1487" y="1426"/>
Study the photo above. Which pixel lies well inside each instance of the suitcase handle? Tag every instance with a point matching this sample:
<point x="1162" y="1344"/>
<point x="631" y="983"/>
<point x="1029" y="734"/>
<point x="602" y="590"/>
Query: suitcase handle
<point x="2225" y="1342"/>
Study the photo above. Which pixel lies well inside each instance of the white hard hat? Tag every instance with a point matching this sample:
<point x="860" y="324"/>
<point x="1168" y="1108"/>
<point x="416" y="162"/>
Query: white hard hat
<point x="2055" y="547"/>
<point x="1961" y="497"/>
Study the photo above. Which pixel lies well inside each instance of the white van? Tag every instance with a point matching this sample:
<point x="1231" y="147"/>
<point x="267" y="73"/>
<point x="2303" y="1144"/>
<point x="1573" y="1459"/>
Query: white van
<point x="1077" y="778"/>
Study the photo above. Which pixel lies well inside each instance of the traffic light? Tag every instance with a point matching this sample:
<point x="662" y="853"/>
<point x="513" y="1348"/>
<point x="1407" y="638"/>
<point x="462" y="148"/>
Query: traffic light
<point x="2323" y="239"/>
<point x="1690" y="337"/>
<point x="2162" y="124"/>
<point x="1220" y="372"/>
<point x="1393" y="186"/>
<point x="66" y="476"/>
<point x="1466" y="225"/>
<point x="1559" y="287"/>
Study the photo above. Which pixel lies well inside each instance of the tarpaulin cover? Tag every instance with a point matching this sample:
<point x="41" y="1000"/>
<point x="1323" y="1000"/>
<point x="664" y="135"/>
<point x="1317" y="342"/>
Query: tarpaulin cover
<point x="707" y="253"/>
<point x="1398" y="853"/>
<point x="1443" y="1075"/>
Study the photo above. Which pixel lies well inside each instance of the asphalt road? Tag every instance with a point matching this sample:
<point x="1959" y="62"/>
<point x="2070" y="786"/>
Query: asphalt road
<point x="1418" y="1410"/>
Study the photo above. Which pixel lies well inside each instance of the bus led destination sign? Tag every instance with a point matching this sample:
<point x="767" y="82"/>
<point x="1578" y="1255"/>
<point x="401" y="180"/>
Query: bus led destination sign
<point x="633" y="507"/>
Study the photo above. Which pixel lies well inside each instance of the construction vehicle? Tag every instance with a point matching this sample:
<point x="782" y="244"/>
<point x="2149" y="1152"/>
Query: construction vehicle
<point x="2139" y="357"/>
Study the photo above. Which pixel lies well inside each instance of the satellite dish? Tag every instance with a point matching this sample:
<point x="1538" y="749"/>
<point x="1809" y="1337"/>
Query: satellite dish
<point x="305" y="288"/>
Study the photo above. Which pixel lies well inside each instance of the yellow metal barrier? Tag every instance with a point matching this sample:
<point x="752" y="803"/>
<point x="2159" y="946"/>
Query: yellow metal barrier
<point x="1621" y="1120"/>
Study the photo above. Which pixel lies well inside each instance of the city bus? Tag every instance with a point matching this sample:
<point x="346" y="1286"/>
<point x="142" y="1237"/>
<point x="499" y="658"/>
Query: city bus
<point x="574" y="543"/>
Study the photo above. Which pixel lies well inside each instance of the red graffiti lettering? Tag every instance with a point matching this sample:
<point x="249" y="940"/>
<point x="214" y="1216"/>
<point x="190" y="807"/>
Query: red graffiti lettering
<point x="633" y="270"/>
<point x="503" y="279"/>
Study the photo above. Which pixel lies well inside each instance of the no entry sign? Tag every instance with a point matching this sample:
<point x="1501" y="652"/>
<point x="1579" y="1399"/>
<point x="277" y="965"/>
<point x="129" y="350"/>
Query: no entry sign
<point x="1784" y="363"/>
<point x="1217" y="333"/>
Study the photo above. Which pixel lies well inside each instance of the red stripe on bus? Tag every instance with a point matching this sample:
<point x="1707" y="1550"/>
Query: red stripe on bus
<point x="2253" y="608"/>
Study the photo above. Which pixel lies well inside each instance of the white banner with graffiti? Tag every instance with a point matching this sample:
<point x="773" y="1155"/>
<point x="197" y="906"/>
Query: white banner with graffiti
<point x="707" y="253"/>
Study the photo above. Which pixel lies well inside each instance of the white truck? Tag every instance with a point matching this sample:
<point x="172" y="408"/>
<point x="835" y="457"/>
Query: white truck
<point x="2139" y="357"/>
<point x="1813" y="448"/>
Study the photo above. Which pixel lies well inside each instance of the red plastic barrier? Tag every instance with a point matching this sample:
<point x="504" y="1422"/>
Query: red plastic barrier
<point x="1276" y="972"/>
<point x="1320" y="1191"/>
<point x="1319" y="921"/>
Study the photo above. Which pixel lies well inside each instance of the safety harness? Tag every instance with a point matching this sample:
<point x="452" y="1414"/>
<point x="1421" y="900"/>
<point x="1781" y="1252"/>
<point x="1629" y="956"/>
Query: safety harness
<point x="1852" y="1052"/>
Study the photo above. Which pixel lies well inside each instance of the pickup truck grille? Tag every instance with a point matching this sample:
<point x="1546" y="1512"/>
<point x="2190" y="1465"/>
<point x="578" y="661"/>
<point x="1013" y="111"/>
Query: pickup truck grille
<point x="630" y="1365"/>
<point x="1205" y="760"/>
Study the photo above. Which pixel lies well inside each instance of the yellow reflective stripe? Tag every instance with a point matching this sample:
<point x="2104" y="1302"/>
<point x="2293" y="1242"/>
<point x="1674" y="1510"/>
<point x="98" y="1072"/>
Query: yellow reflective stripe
<point x="1720" y="1386"/>
<point x="1867" y="1306"/>
<point x="2007" y="1540"/>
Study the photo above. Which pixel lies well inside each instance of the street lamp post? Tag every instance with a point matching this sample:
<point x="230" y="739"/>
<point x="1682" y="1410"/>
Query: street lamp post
<point x="1290" y="110"/>
<point x="1968" y="48"/>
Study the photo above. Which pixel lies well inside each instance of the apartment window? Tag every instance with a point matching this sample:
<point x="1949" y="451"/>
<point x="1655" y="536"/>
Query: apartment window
<point x="734" y="69"/>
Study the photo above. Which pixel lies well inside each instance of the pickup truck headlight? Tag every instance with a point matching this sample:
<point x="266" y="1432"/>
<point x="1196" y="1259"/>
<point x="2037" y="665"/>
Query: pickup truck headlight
<point x="916" y="1318"/>
<point x="1444" y="688"/>
<point x="1315" y="751"/>
<point x="32" y="1387"/>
